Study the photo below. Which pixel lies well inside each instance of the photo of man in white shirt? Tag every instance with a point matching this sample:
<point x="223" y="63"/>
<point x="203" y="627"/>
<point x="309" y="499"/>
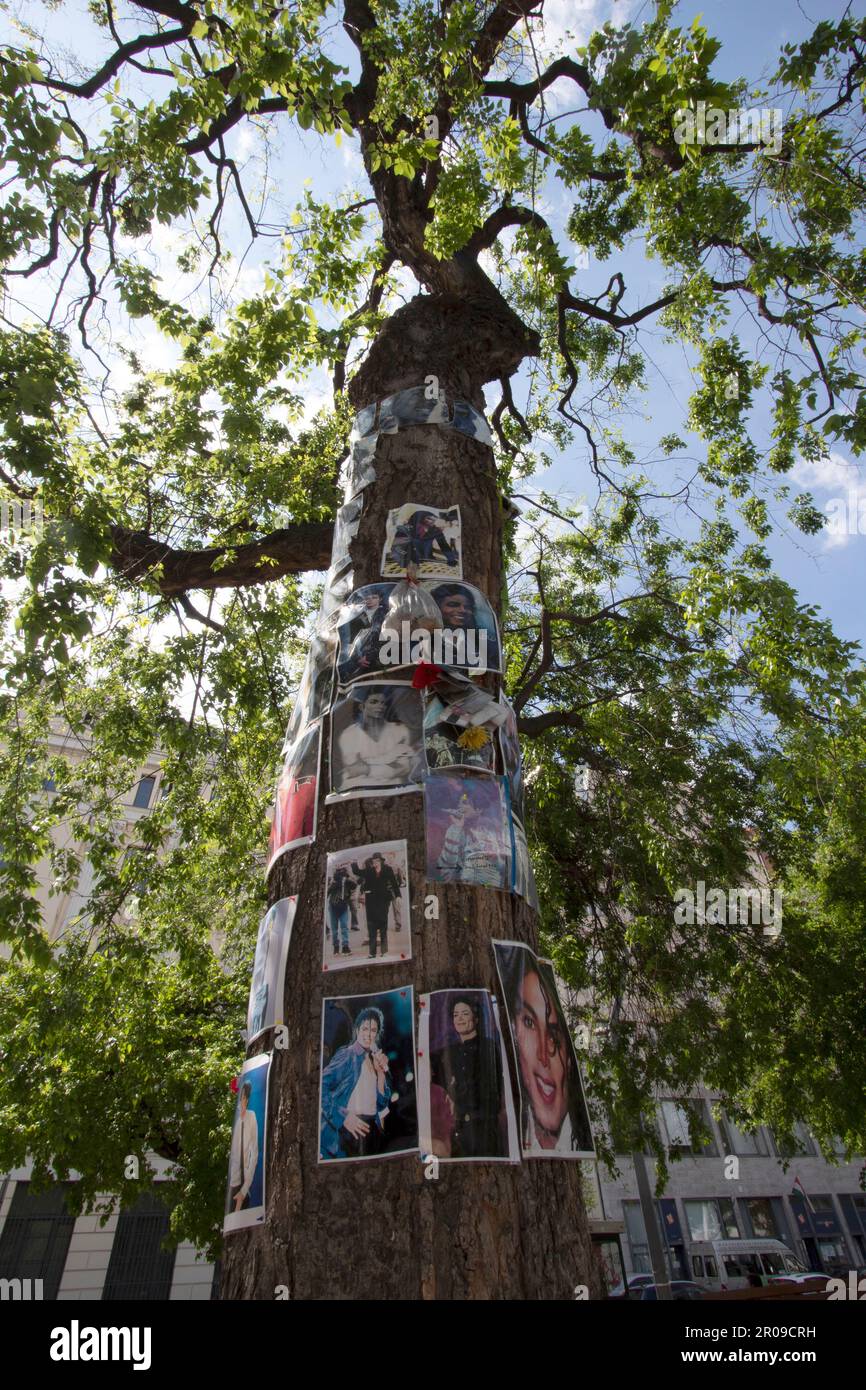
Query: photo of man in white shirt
<point x="245" y="1152"/>
<point x="377" y="740"/>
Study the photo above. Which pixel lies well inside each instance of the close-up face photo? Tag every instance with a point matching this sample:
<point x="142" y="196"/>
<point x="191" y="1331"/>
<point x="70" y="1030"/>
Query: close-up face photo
<point x="541" y="1049"/>
<point x="464" y="1019"/>
<point x="368" y="1032"/>
<point x="457" y="610"/>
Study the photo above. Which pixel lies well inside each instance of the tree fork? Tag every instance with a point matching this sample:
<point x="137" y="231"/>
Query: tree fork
<point x="381" y="1229"/>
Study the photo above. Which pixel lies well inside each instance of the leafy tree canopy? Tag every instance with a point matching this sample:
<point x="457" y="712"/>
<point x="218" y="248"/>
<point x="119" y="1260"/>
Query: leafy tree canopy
<point x="186" y="491"/>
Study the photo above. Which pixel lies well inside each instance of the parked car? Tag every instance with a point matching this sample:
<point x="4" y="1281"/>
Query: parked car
<point x="632" y="1288"/>
<point x="681" y="1290"/>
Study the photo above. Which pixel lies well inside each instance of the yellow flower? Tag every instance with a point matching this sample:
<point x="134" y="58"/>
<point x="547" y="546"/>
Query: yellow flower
<point x="473" y="737"/>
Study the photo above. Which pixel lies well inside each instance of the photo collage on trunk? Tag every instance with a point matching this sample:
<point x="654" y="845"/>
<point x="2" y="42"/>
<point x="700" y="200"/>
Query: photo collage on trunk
<point x="390" y="703"/>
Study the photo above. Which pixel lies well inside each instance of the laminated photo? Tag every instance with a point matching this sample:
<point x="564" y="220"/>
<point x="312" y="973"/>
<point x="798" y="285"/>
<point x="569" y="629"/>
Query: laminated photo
<point x="426" y="537"/>
<point x="447" y="745"/>
<point x="468" y="836"/>
<point x="359" y="632"/>
<point x="512" y="762"/>
<point x="265" y="1007"/>
<point x="367" y="1104"/>
<point x="359" y="469"/>
<point x="469" y="637"/>
<point x="470" y="421"/>
<point x="245" y="1192"/>
<point x="522" y="876"/>
<point x="346" y="524"/>
<point x="377" y="742"/>
<point x="465" y="1108"/>
<point x="554" y="1120"/>
<point x="414" y="405"/>
<point x="316" y="690"/>
<point x="339" y="584"/>
<point x="464" y="635"/>
<point x="294" y="821"/>
<point x="465" y="702"/>
<point x="367" y="906"/>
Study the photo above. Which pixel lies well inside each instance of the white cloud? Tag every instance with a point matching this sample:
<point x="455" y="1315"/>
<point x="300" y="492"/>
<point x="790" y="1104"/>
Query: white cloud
<point x="569" y="23"/>
<point x="566" y="26"/>
<point x="845" y="507"/>
<point x="833" y="473"/>
<point x="350" y="151"/>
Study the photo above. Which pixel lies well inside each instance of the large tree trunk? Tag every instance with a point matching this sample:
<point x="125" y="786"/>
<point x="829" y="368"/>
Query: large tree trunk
<point x="381" y="1229"/>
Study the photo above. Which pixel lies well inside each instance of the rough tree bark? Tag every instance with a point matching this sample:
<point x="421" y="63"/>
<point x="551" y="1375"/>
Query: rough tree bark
<point x="380" y="1229"/>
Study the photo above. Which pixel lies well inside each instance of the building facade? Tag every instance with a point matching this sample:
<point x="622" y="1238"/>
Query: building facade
<point x="46" y="1253"/>
<point x="738" y="1185"/>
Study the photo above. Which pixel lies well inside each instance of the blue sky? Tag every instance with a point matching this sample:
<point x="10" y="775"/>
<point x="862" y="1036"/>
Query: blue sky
<point x="826" y="570"/>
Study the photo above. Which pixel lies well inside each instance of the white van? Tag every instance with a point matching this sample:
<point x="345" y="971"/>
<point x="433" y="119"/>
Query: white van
<point x="740" y="1264"/>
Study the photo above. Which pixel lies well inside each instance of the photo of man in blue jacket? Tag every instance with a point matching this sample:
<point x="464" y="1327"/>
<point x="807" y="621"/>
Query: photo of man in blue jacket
<point x="356" y="1092"/>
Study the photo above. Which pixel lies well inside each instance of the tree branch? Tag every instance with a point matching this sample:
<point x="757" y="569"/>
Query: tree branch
<point x="190" y="609"/>
<point x="292" y="550"/>
<point x="112" y="66"/>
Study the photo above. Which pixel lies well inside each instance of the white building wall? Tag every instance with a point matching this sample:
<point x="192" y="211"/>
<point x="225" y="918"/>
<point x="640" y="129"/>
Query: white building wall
<point x="87" y="1261"/>
<point x="193" y="1276"/>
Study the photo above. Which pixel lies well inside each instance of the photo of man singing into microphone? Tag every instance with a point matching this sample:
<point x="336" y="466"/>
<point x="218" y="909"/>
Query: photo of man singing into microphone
<point x="367" y="1085"/>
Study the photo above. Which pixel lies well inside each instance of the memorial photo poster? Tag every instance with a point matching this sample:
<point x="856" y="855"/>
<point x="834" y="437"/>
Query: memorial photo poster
<point x="377" y="741"/>
<point x="294" y="820"/>
<point x="346" y="524"/>
<point x="316" y="690"/>
<point x="359" y="470"/>
<point x="338" y="587"/>
<point x="554" y="1119"/>
<point x="465" y="1109"/>
<point x="367" y="906"/>
<point x="468" y="835"/>
<point x="359" y="632"/>
<point x="469" y="638"/>
<point x="447" y="745"/>
<point x="512" y="762"/>
<point x="522" y="876"/>
<point x="413" y="405"/>
<point x="467" y="703"/>
<point x="265" y="1008"/>
<point x="367" y="1103"/>
<point x="426" y="537"/>
<point x="245" y="1192"/>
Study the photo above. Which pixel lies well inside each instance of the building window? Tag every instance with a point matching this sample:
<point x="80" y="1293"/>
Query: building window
<point x="139" y="1267"/>
<point x="797" y="1144"/>
<point x="684" y="1123"/>
<point x="854" y="1210"/>
<point x="637" y="1238"/>
<point x="714" y="1219"/>
<point x="143" y="793"/>
<point x="855" y="1207"/>
<point x="36" y="1235"/>
<point x="743" y="1142"/>
<point x="760" y="1211"/>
